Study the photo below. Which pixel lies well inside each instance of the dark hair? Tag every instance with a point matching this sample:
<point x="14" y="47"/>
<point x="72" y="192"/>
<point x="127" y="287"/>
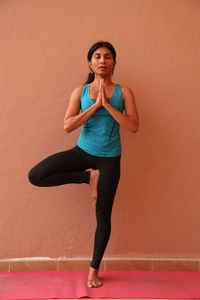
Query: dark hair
<point x="93" y="49"/>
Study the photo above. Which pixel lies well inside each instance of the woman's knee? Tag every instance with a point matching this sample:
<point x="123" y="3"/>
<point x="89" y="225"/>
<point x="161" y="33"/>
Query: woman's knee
<point x="33" y="177"/>
<point x="103" y="214"/>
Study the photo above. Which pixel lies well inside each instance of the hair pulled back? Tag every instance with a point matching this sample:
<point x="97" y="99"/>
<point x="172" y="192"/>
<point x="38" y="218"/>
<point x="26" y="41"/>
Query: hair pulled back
<point x="93" y="49"/>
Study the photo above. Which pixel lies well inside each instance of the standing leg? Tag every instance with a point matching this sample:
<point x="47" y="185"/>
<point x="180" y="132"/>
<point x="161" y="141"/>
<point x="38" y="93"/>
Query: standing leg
<point x="108" y="182"/>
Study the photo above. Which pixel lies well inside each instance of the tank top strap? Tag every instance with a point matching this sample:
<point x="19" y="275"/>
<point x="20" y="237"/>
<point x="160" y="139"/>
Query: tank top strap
<point x="84" y="90"/>
<point x="118" y="88"/>
<point x="83" y="95"/>
<point x="118" y="99"/>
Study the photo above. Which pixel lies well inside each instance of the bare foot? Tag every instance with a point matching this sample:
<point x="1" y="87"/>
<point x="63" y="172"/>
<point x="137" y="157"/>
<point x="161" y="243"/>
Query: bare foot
<point x="93" y="184"/>
<point x="93" y="279"/>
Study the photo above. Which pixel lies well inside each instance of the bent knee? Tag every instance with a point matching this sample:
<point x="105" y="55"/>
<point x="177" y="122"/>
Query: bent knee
<point x="33" y="178"/>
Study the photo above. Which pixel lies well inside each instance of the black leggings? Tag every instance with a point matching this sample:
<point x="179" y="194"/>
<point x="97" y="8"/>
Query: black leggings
<point x="69" y="167"/>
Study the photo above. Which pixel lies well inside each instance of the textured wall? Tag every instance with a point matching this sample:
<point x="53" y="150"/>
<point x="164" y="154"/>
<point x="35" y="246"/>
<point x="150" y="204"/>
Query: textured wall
<point x="43" y="51"/>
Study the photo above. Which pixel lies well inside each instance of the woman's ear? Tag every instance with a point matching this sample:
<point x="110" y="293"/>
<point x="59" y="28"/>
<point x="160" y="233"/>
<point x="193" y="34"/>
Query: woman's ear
<point x="114" y="66"/>
<point x="90" y="65"/>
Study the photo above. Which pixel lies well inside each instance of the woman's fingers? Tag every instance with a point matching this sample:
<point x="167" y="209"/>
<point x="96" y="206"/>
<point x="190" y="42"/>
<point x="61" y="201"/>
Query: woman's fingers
<point x="99" y="95"/>
<point x="102" y="83"/>
<point x="103" y="91"/>
<point x="103" y="87"/>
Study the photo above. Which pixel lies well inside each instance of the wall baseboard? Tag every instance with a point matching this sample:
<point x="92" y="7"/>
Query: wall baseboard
<point x="58" y="264"/>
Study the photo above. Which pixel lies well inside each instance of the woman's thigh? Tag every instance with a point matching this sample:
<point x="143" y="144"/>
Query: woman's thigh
<point x="107" y="187"/>
<point x="64" y="161"/>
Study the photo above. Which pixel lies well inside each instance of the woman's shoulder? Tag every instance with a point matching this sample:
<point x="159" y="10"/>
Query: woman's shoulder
<point x="125" y="88"/>
<point x="77" y="91"/>
<point x="126" y="91"/>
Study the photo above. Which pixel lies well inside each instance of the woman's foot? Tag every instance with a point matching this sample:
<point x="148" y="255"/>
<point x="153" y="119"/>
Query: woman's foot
<point x="93" y="279"/>
<point x="93" y="184"/>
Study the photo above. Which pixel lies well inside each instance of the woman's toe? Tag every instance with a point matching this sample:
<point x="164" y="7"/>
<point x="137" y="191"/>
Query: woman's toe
<point x="97" y="283"/>
<point x="89" y="283"/>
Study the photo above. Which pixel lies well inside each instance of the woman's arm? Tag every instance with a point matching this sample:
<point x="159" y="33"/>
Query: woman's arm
<point x="130" y="119"/>
<point x="73" y="119"/>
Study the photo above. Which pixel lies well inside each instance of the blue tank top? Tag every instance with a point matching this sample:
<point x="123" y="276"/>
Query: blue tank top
<point x="100" y="133"/>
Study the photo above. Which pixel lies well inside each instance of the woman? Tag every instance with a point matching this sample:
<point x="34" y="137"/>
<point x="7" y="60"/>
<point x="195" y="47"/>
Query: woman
<point x="95" y="160"/>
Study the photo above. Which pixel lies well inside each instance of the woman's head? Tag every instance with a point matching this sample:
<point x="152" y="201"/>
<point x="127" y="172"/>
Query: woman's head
<point x="101" y="59"/>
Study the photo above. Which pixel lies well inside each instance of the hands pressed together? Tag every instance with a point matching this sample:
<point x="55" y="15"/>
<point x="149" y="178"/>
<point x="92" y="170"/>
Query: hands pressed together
<point x="101" y="96"/>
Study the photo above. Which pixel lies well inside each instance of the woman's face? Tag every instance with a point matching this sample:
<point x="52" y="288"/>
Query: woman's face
<point x="102" y="62"/>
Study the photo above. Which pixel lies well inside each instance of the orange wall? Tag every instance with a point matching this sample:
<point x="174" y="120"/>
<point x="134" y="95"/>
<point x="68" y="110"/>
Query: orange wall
<point x="44" y="44"/>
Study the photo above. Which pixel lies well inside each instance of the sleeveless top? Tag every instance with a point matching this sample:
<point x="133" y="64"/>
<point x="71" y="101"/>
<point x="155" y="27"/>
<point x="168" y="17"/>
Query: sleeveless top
<point x="100" y="133"/>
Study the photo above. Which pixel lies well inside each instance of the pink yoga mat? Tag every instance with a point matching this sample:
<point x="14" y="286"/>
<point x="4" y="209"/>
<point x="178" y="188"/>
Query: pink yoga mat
<point x="116" y="284"/>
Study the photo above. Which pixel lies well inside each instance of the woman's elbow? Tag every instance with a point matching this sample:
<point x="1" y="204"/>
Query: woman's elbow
<point x="134" y="130"/>
<point x="67" y="127"/>
<point x="135" y="127"/>
<point x="67" y="130"/>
